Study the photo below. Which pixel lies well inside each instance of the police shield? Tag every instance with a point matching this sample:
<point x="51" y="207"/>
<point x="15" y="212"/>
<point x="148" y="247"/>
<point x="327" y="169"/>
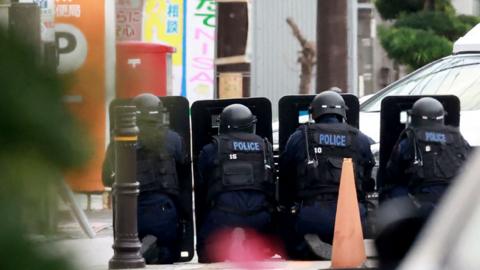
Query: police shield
<point x="205" y="124"/>
<point x="393" y="118"/>
<point x="177" y="109"/>
<point x="293" y="111"/>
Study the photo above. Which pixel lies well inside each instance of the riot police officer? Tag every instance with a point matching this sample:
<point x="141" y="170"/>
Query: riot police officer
<point x="159" y="152"/>
<point x="312" y="163"/>
<point x="426" y="157"/>
<point x="236" y="173"/>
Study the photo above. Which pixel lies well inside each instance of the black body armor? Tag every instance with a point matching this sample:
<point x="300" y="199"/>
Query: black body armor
<point x="244" y="162"/>
<point x="439" y="152"/>
<point x="327" y="145"/>
<point x="156" y="171"/>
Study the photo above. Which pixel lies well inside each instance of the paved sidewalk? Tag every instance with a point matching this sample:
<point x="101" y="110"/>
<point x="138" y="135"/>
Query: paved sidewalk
<point x="94" y="254"/>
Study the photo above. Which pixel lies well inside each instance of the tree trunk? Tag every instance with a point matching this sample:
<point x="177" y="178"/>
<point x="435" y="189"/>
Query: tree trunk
<point x="332" y="44"/>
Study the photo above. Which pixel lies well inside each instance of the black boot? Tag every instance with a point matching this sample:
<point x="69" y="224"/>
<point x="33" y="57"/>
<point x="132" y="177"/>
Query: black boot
<point x="321" y="249"/>
<point x="149" y="249"/>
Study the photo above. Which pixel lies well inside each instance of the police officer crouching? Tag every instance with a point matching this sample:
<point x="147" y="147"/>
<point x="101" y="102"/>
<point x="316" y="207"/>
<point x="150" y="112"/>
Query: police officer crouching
<point x="426" y="157"/>
<point x="236" y="172"/>
<point x="312" y="162"/>
<point x="159" y="152"/>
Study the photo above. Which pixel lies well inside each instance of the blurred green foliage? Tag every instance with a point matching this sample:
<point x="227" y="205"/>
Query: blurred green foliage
<point x="422" y="30"/>
<point x="414" y="47"/>
<point x="440" y="23"/>
<point x="39" y="140"/>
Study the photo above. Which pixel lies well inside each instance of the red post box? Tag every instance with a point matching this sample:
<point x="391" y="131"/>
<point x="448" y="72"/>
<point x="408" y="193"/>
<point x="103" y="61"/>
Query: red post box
<point x="143" y="67"/>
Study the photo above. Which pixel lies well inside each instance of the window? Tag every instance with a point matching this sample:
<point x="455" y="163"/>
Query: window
<point x="457" y="75"/>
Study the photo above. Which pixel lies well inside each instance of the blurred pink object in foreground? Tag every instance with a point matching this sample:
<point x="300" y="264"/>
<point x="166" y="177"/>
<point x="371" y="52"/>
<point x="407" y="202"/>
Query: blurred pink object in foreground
<point x="243" y="247"/>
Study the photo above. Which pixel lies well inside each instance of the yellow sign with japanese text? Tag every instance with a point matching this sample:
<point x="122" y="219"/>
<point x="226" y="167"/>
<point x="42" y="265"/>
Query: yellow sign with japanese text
<point x="163" y="23"/>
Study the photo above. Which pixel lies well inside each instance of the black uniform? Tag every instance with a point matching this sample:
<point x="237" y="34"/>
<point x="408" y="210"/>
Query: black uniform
<point x="424" y="162"/>
<point x="235" y="169"/>
<point x="159" y="153"/>
<point x="427" y="156"/>
<point x="158" y="211"/>
<point x="317" y="176"/>
<point x="311" y="167"/>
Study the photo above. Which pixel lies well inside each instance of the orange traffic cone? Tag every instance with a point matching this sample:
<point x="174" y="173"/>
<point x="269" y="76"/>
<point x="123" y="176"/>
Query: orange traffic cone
<point x="348" y="250"/>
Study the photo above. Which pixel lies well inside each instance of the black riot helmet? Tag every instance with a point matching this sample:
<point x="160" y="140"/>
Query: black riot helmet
<point x="237" y="117"/>
<point x="150" y="110"/>
<point x="328" y="102"/>
<point x="425" y="112"/>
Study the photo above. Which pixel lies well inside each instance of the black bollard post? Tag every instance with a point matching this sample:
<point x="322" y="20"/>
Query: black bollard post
<point x="126" y="245"/>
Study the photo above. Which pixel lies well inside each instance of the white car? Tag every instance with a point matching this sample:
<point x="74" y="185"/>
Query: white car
<point x="453" y="75"/>
<point x="458" y="74"/>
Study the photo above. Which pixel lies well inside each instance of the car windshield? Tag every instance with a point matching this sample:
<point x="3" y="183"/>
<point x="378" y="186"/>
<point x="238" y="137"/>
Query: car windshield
<point x="456" y="75"/>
